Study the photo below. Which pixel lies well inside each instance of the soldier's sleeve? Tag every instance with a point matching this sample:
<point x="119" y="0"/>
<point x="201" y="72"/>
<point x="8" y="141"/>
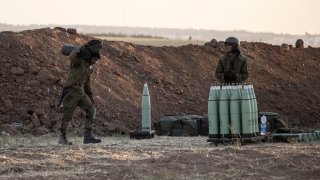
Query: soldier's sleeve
<point x="87" y="88"/>
<point x="75" y="61"/>
<point x="244" y="70"/>
<point x="219" y="71"/>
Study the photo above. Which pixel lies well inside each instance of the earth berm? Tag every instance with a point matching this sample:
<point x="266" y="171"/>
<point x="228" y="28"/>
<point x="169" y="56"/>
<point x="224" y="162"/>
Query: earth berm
<point x="33" y="70"/>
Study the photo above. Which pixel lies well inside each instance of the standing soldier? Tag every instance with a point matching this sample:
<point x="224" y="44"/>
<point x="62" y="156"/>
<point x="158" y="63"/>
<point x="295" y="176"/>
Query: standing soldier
<point x="232" y="67"/>
<point x="77" y="89"/>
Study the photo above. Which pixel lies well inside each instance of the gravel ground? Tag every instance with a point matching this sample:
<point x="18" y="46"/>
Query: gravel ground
<point x="162" y="157"/>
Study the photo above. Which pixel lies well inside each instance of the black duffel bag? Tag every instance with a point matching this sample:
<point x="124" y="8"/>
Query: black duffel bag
<point x="181" y="125"/>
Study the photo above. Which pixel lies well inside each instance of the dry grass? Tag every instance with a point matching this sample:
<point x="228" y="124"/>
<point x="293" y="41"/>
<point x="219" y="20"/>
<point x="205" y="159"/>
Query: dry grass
<point x="152" y="41"/>
<point x="163" y="157"/>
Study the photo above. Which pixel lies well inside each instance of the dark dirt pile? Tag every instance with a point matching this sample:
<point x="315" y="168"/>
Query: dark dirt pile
<point x="33" y="70"/>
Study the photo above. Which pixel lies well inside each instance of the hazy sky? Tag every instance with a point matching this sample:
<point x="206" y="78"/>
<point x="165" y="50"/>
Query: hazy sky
<point x="279" y="16"/>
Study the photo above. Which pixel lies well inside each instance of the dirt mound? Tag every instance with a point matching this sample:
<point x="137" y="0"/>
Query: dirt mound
<point x="33" y="70"/>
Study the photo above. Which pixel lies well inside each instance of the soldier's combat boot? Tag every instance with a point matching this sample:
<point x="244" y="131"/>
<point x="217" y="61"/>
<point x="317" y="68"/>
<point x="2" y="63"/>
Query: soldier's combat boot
<point x="89" y="138"/>
<point x="63" y="139"/>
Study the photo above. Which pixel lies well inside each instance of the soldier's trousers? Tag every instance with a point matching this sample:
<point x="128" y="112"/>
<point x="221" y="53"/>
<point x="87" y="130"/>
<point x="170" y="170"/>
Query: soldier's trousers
<point x="71" y="101"/>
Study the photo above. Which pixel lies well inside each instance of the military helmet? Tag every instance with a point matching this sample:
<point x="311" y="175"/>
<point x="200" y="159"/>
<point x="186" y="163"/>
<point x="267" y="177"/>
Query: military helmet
<point x="94" y="46"/>
<point x="232" y="40"/>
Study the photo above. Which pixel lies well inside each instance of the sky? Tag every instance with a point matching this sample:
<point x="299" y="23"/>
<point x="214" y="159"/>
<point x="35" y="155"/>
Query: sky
<point x="277" y="16"/>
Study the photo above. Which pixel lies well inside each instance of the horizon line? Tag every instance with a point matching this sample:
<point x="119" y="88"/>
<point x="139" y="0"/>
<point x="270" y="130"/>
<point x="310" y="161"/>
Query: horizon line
<point x="146" y="27"/>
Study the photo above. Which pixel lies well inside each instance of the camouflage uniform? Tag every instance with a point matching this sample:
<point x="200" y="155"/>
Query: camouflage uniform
<point x="232" y="63"/>
<point x="79" y="91"/>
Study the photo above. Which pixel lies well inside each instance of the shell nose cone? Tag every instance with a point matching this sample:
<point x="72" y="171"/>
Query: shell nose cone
<point x="211" y="93"/>
<point x="145" y="90"/>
